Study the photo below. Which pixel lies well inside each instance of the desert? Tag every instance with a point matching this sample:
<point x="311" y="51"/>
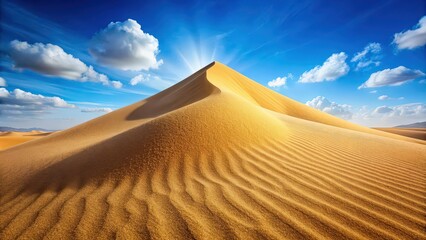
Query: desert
<point x="216" y="156"/>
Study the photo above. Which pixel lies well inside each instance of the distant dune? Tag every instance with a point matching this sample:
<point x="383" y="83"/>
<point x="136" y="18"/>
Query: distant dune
<point x="9" y="139"/>
<point x="419" y="133"/>
<point x="413" y="125"/>
<point x="11" y="129"/>
<point x="216" y="156"/>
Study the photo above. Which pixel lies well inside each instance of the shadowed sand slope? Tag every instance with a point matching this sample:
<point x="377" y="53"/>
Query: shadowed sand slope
<point x="216" y="156"/>
<point x="419" y="133"/>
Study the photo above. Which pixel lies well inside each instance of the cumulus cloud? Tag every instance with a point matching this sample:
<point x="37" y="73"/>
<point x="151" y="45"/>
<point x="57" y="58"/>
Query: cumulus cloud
<point x="4" y="93"/>
<point x="22" y="102"/>
<point x="325" y="105"/>
<point x="52" y="60"/>
<point x="413" y="38"/>
<point x="369" y="56"/>
<point x="387" y="116"/>
<point x="405" y="110"/>
<point x="139" y="79"/>
<point x="391" y="77"/>
<point x="333" y="68"/>
<point x="92" y="110"/>
<point x="383" y="97"/>
<point x="116" y="84"/>
<point x="2" y="82"/>
<point x="279" y="81"/>
<point x="382" y="109"/>
<point x="125" y="46"/>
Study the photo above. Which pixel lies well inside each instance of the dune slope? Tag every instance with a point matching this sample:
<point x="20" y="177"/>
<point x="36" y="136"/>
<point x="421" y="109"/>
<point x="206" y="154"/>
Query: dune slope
<point x="216" y="156"/>
<point x="419" y="133"/>
<point x="10" y="139"/>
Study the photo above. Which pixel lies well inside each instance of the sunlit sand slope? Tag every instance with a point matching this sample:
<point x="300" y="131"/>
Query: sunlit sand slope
<point x="216" y="156"/>
<point x="10" y="139"/>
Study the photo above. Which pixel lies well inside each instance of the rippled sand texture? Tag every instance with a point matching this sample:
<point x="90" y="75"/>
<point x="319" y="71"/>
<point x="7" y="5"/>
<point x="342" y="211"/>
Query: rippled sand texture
<point x="217" y="156"/>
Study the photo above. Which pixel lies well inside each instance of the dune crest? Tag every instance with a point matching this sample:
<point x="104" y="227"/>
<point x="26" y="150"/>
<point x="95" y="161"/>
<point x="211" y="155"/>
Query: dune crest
<point x="216" y="156"/>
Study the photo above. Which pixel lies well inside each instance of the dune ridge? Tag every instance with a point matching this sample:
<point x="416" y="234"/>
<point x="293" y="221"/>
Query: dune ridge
<point x="216" y="156"/>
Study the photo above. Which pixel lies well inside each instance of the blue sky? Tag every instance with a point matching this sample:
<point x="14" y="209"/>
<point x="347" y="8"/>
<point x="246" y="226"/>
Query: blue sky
<point x="363" y="61"/>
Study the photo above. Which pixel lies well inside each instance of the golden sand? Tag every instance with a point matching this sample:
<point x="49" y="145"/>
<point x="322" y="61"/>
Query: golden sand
<point x="216" y="156"/>
<point x="10" y="139"/>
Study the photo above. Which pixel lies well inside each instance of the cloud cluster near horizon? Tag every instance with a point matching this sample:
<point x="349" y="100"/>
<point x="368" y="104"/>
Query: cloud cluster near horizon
<point x="395" y="115"/>
<point x="387" y="115"/>
<point x="96" y="110"/>
<point x="325" y="105"/>
<point x="17" y="102"/>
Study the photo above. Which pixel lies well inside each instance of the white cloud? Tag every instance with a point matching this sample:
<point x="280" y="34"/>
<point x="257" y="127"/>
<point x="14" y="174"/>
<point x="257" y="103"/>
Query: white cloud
<point x="116" y="84"/>
<point x="382" y="109"/>
<point x="373" y="92"/>
<point x="2" y="82"/>
<point x="383" y="97"/>
<point x="370" y="55"/>
<point x="388" y="116"/>
<point x="47" y="59"/>
<point x="391" y="77"/>
<point x="125" y="46"/>
<point x="323" y="104"/>
<point x="139" y="79"/>
<point x="407" y="110"/>
<point x="20" y="102"/>
<point x="333" y="68"/>
<point x="280" y="81"/>
<point x="151" y="81"/>
<point x="414" y="38"/>
<point x="4" y="93"/>
<point x="52" y="60"/>
<point x="277" y="82"/>
<point x="386" y="97"/>
<point x="91" y="110"/>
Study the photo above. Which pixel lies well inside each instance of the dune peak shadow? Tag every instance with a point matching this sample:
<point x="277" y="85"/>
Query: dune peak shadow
<point x="190" y="90"/>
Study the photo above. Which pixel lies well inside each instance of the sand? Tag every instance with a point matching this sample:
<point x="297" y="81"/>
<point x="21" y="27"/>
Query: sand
<point x="419" y="133"/>
<point x="10" y="139"/>
<point x="216" y="156"/>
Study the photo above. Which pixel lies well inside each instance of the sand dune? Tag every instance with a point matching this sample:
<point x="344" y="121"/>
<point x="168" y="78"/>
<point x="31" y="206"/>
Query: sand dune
<point x="216" y="156"/>
<point x="10" y="139"/>
<point x="419" y="133"/>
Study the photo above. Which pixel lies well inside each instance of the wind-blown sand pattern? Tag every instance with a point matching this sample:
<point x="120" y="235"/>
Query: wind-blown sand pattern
<point x="217" y="156"/>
